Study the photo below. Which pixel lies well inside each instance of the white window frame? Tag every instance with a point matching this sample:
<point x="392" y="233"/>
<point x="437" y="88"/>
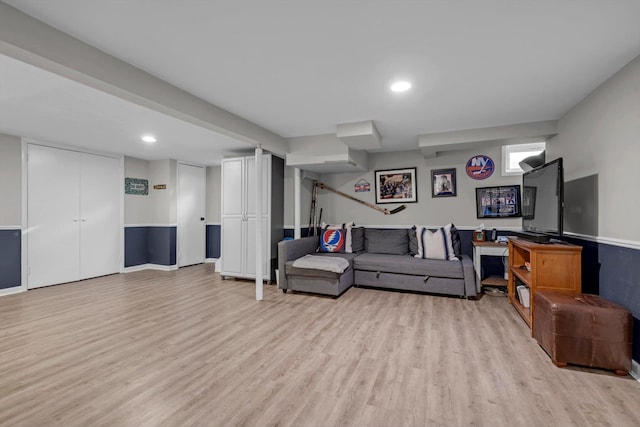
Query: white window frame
<point x="518" y="149"/>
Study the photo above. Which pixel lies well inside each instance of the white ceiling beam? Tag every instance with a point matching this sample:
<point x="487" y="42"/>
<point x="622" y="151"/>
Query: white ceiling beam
<point x="432" y="143"/>
<point x="34" y="42"/>
<point x="359" y="135"/>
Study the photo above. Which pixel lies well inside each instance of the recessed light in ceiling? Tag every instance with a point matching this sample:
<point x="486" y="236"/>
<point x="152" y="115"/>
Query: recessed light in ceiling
<point x="400" y="86"/>
<point x="149" y="139"/>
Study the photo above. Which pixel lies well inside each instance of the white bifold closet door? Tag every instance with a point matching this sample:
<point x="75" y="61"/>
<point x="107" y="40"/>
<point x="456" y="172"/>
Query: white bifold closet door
<point x="73" y="215"/>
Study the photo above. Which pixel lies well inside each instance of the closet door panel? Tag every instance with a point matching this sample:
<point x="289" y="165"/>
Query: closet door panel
<point x="250" y="248"/>
<point x="53" y="216"/>
<point x="233" y="236"/>
<point x="99" y="215"/>
<point x="232" y="187"/>
<point x="264" y="184"/>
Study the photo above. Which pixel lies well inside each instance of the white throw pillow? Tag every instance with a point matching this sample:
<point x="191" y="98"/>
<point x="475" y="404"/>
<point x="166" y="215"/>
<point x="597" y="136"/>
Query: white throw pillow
<point x="347" y="226"/>
<point x="436" y="244"/>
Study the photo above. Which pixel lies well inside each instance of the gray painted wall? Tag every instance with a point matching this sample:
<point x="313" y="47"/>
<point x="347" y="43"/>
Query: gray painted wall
<point x="160" y="206"/>
<point x="163" y="203"/>
<point x="214" y="197"/>
<point x="601" y="135"/>
<point x="460" y="210"/>
<point x="10" y="180"/>
<point x="136" y="210"/>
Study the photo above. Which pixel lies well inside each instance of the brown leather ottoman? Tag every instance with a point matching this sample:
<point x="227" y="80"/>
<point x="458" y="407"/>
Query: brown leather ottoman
<point x="583" y="329"/>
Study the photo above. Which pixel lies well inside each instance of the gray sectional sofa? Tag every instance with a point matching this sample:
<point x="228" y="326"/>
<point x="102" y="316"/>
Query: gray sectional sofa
<point x="381" y="258"/>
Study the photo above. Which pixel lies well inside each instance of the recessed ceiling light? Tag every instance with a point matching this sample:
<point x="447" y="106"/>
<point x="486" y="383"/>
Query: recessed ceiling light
<point x="400" y="86"/>
<point x="149" y="139"/>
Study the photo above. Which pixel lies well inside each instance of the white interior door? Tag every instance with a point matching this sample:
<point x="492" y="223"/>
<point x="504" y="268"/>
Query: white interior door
<point x="99" y="215"/>
<point x="53" y="216"/>
<point x="191" y="214"/>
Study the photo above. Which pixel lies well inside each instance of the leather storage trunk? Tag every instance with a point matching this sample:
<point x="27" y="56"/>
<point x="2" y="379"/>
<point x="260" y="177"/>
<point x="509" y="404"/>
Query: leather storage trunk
<point x="583" y="329"/>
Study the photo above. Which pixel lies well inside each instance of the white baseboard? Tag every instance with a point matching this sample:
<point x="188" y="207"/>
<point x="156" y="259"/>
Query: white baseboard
<point x="635" y="370"/>
<point x="11" y="291"/>
<point x="216" y="261"/>
<point x="149" y="267"/>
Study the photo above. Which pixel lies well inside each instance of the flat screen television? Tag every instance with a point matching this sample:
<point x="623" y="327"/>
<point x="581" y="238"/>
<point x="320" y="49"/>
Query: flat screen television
<point x="543" y="200"/>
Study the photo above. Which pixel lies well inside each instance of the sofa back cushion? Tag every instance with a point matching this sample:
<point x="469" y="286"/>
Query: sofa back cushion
<point x="386" y="241"/>
<point x="456" y="242"/>
<point x="435" y="245"/>
<point x="357" y="239"/>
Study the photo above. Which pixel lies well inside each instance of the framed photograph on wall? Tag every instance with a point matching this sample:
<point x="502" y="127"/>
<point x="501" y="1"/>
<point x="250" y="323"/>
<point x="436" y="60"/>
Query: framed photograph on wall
<point x="396" y="186"/>
<point x="498" y="202"/>
<point x="443" y="183"/>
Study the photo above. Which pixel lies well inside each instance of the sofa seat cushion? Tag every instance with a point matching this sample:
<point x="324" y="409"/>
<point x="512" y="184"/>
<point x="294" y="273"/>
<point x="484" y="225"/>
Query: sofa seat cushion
<point x="406" y="264"/>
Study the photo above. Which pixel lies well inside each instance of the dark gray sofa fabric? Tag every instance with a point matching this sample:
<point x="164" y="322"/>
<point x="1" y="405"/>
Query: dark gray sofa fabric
<point x="405" y="264"/>
<point x="386" y="241"/>
<point x="407" y="282"/>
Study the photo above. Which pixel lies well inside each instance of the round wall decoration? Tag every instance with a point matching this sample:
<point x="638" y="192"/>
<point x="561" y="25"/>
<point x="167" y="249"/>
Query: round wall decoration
<point x="480" y="167"/>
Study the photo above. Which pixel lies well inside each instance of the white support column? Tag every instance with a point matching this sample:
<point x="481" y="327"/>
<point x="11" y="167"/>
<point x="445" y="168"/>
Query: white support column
<point x="296" y="203"/>
<point x="259" y="234"/>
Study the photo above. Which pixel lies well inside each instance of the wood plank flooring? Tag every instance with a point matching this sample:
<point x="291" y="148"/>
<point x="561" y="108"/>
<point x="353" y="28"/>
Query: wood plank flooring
<point x="187" y="348"/>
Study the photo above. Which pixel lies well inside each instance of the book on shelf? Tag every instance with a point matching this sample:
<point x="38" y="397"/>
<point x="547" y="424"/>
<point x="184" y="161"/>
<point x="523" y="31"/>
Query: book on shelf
<point x="523" y="295"/>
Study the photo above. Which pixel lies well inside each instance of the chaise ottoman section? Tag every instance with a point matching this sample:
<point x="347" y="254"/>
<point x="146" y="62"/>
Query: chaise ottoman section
<point x="583" y="329"/>
<point x="319" y="281"/>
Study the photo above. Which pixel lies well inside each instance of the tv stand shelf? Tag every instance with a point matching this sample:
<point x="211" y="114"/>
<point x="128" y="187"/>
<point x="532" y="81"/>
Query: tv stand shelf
<point x="554" y="266"/>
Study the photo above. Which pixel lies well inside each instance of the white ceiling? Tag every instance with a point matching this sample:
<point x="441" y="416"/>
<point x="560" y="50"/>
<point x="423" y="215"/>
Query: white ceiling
<point x="301" y="67"/>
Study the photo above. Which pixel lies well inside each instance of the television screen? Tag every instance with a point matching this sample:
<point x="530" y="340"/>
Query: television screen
<point x="498" y="202"/>
<point x="542" y="198"/>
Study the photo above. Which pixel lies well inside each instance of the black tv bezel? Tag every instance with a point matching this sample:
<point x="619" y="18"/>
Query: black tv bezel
<point x="515" y="187"/>
<point x="557" y="163"/>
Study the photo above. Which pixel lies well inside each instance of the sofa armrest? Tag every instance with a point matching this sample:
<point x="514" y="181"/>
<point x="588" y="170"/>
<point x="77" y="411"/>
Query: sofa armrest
<point x="469" y="277"/>
<point x="289" y="250"/>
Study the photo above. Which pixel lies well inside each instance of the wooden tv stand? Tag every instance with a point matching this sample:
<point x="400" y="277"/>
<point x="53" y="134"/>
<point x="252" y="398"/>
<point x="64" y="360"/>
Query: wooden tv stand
<point x="554" y="266"/>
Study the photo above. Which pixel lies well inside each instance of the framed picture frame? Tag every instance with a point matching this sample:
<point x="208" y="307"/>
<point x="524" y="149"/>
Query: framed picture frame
<point x="498" y="202"/>
<point x="528" y="202"/>
<point x="443" y="183"/>
<point x="396" y="186"/>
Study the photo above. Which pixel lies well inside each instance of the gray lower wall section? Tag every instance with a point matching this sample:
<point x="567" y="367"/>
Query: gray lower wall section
<point x="149" y="245"/>
<point x="10" y="258"/>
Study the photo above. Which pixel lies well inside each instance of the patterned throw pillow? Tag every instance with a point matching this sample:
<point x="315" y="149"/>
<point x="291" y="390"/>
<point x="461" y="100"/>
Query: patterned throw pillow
<point x="436" y="244"/>
<point x="333" y="240"/>
<point x="348" y="245"/>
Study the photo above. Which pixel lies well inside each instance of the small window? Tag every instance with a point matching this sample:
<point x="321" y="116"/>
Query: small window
<point x="512" y="155"/>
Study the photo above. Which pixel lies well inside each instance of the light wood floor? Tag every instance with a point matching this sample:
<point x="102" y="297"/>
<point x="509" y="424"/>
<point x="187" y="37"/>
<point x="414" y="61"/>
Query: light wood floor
<point x="187" y="348"/>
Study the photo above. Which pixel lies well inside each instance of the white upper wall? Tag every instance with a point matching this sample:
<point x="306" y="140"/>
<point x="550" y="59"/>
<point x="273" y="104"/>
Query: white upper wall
<point x="601" y="135"/>
<point x="429" y="211"/>
<point x="10" y="181"/>
<point x="136" y="207"/>
<point x="214" y="197"/>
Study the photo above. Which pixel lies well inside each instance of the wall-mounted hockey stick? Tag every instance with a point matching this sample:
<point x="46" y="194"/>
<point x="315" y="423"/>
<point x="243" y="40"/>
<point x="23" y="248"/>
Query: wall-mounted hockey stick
<point x="384" y="211"/>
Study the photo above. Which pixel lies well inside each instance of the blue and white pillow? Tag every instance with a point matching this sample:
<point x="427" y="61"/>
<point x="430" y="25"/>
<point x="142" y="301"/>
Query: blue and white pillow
<point x="435" y="244"/>
<point x="333" y="240"/>
<point x="347" y="230"/>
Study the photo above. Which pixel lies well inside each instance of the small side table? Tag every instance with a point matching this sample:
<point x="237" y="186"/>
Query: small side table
<point x="489" y="249"/>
